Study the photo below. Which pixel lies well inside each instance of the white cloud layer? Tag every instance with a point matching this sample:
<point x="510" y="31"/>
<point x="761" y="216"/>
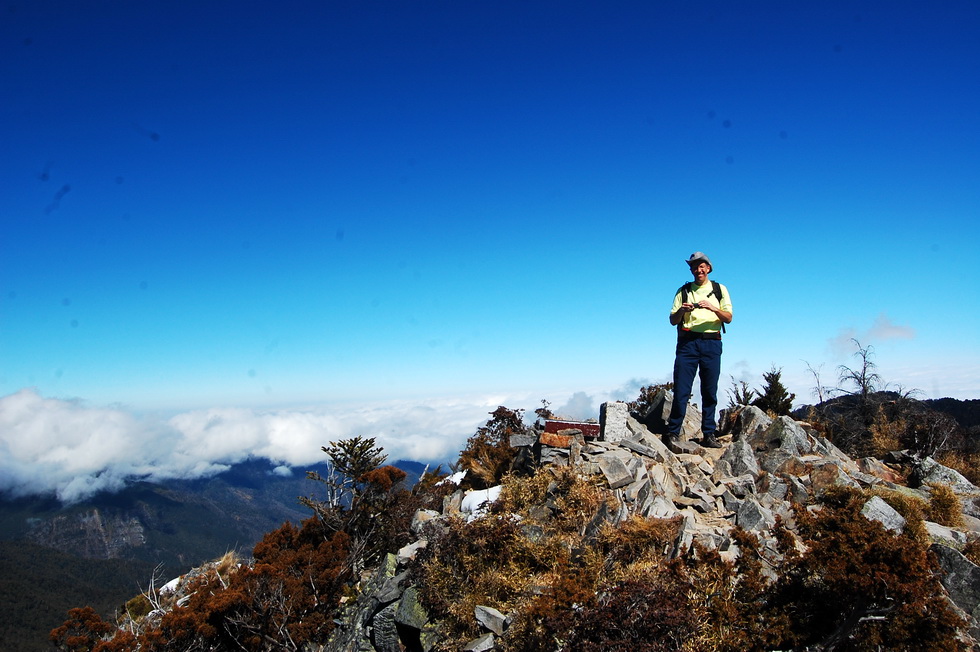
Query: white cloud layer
<point x="66" y="448"/>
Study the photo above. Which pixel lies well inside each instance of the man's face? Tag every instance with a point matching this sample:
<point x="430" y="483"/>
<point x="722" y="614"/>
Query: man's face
<point x="700" y="272"/>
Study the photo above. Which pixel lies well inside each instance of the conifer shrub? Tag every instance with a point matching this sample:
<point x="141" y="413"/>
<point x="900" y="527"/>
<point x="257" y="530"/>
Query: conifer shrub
<point x="647" y="397"/>
<point x="740" y="394"/>
<point x="364" y="500"/>
<point x="488" y="455"/>
<point x="774" y="398"/>
<point x="285" y="599"/>
<point x="82" y="631"/>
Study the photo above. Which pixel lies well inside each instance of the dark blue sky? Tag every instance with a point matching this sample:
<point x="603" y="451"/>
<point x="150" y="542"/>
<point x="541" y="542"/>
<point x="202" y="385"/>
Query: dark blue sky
<point x="260" y="205"/>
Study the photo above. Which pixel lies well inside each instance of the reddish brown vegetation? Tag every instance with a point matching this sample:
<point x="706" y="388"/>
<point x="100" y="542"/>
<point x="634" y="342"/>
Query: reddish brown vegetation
<point x="287" y="597"/>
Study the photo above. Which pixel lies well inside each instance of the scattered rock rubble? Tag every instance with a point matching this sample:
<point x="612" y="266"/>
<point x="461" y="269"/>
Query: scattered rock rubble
<point x="764" y="465"/>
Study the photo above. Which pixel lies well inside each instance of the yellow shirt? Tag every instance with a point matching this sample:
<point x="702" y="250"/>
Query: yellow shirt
<point x="702" y="320"/>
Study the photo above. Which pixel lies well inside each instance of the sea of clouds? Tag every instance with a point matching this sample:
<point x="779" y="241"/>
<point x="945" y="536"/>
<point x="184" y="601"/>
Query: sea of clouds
<point x="66" y="448"/>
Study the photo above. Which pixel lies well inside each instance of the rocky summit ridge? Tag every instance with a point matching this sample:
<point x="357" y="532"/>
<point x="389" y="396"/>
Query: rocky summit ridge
<point x="767" y="469"/>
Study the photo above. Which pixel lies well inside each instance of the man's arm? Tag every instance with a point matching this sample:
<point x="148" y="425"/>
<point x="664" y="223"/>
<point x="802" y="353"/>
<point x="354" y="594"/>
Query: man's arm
<point x="720" y="310"/>
<point x="678" y="316"/>
<point x="724" y="315"/>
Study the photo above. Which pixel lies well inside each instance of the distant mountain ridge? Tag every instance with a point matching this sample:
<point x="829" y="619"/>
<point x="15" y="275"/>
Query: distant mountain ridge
<point x="107" y="547"/>
<point x="966" y="412"/>
<point x="176" y="523"/>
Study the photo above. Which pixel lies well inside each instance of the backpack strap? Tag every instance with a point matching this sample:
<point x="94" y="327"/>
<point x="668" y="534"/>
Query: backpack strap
<point x="684" y="293"/>
<point x="716" y="290"/>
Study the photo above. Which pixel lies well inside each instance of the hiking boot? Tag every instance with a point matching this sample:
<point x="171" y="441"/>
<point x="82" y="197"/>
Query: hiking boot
<point x="670" y="439"/>
<point x="709" y="441"/>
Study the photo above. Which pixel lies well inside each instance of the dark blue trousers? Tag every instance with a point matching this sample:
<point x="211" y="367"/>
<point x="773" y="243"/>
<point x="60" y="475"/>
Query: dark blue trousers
<point x="701" y="357"/>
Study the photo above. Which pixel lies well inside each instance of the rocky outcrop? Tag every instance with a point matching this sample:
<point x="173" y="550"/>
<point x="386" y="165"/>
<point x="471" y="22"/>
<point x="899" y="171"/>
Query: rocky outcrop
<point x="765" y="466"/>
<point x="766" y="469"/>
<point x="91" y="534"/>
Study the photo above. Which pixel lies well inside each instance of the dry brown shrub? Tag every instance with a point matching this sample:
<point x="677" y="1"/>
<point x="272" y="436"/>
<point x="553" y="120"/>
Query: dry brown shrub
<point x="572" y="499"/>
<point x="972" y="550"/>
<point x="944" y="506"/>
<point x="637" y="543"/>
<point x="912" y="508"/>
<point x="886" y="433"/>
<point x="852" y="573"/>
<point x="815" y="421"/>
<point x="577" y="500"/>
<point x="520" y="494"/>
<point x="228" y="564"/>
<point x="489" y="561"/>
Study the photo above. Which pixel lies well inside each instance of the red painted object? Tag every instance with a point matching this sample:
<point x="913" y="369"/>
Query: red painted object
<point x="589" y="430"/>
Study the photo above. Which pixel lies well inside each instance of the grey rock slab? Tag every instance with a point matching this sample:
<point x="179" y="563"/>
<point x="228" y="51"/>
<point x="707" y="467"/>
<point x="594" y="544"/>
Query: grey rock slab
<point x="410" y="612"/>
<point x="751" y="515"/>
<point x="932" y="472"/>
<point x="384" y="630"/>
<point x="961" y="579"/>
<point x="946" y="535"/>
<point x="876" y="509"/>
<point x="612" y="421"/>
<point x="491" y="618"/>
<point x="480" y="644"/>
<point x="741" y="458"/>
<point x="751" y="422"/>
<point x="520" y="441"/>
<point x="660" y="507"/>
<point x="616" y="472"/>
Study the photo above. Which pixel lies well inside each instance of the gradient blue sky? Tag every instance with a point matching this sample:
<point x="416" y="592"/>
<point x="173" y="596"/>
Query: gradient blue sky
<point x="284" y="206"/>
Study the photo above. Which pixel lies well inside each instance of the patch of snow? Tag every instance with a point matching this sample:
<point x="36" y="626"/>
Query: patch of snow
<point x="455" y="478"/>
<point x="476" y="503"/>
<point x="170" y="587"/>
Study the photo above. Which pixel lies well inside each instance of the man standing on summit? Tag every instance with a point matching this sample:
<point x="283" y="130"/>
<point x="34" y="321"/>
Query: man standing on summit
<point x="700" y="311"/>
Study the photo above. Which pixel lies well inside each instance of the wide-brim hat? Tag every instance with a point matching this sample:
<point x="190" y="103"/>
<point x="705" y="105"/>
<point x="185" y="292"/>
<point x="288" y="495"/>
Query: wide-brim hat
<point x="697" y="257"/>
